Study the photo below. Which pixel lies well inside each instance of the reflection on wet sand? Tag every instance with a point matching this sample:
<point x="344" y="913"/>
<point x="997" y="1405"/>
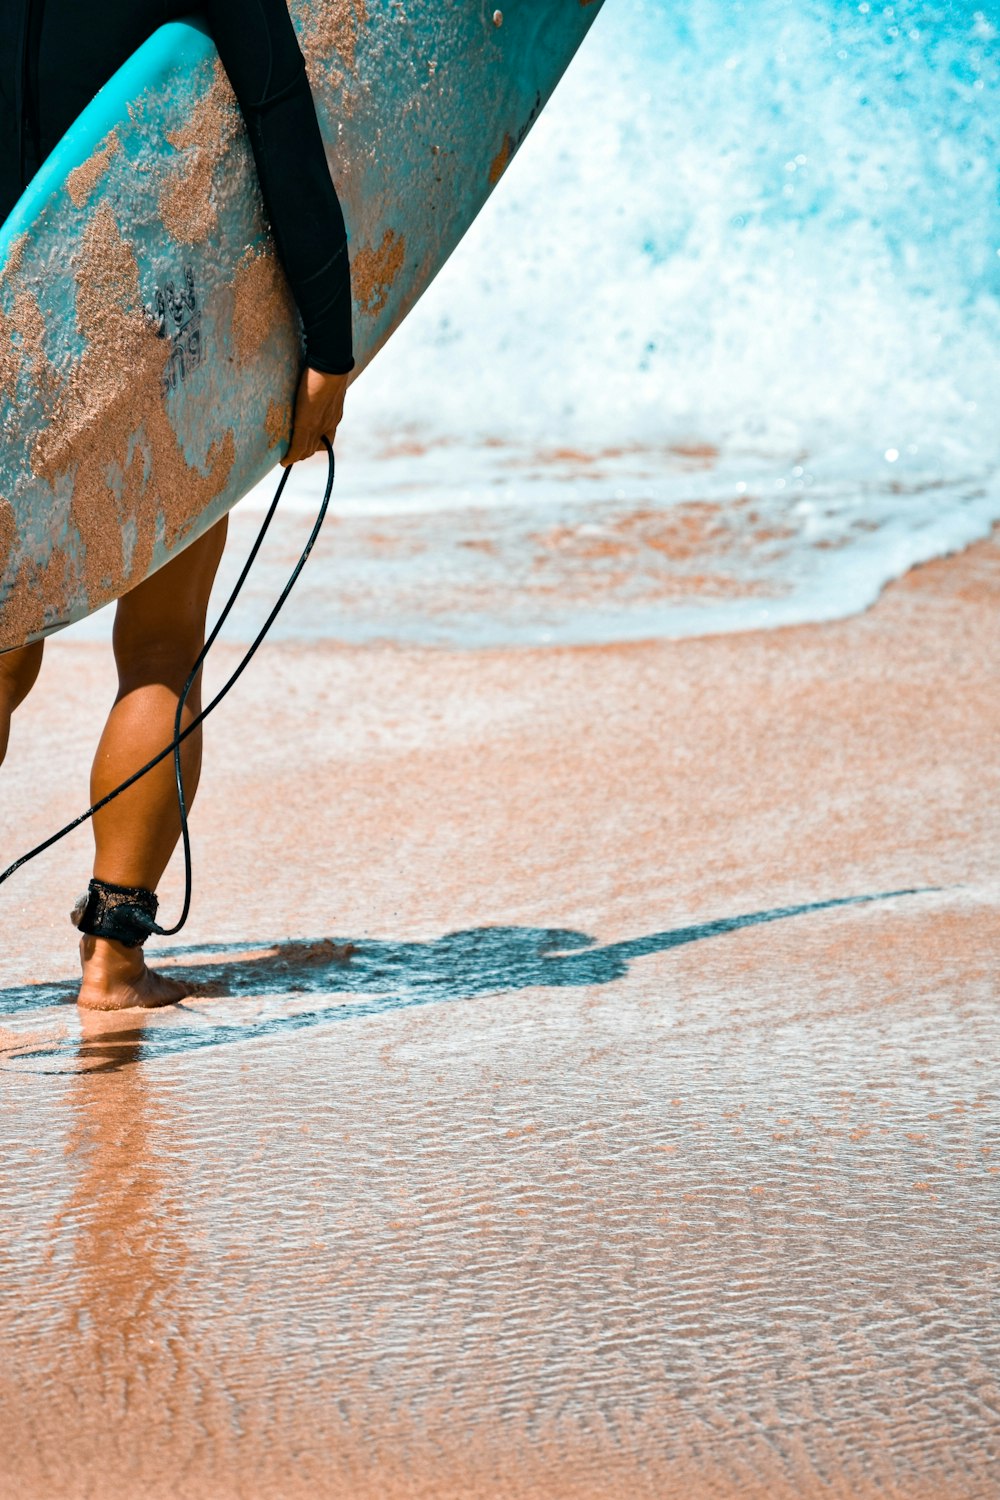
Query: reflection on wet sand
<point x="114" y="1251"/>
<point x="124" y="1344"/>
<point x="682" y="1233"/>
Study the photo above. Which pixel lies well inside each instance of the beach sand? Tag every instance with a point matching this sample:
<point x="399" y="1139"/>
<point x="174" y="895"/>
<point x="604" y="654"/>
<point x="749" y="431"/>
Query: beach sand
<point x="646" y="1145"/>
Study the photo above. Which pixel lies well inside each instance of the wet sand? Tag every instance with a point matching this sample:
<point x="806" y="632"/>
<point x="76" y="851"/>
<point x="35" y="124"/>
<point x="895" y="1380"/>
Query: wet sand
<point x="646" y="1145"/>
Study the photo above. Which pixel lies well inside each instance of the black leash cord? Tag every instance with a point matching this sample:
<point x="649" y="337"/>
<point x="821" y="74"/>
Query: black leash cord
<point x="174" y="748"/>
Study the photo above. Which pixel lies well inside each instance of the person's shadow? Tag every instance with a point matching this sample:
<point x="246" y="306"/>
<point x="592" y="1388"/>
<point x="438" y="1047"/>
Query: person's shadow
<point x="294" y="985"/>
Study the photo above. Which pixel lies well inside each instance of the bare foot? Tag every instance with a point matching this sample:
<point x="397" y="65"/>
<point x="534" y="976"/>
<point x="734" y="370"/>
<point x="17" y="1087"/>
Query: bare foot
<point x="116" y="978"/>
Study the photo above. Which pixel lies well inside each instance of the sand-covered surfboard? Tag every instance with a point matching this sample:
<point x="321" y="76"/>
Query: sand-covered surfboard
<point x="148" y="344"/>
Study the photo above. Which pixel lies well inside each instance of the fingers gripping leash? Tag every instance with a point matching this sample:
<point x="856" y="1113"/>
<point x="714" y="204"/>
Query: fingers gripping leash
<point x="100" y="898"/>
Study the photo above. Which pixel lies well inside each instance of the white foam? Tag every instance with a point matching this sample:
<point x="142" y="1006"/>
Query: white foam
<point x="766" y="228"/>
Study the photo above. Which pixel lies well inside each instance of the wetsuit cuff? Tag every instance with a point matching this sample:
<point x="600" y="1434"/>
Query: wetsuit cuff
<point x="326" y="366"/>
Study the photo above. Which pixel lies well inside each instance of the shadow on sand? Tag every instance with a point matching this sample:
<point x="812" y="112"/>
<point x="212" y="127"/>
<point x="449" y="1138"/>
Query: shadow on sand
<point x="287" y="987"/>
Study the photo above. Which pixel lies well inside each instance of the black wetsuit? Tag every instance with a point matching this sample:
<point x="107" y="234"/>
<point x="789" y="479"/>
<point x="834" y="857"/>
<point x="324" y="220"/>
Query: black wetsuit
<point x="56" y="54"/>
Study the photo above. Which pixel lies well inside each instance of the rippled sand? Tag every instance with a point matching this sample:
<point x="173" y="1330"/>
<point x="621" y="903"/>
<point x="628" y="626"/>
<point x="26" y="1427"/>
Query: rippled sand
<point x="646" y="1143"/>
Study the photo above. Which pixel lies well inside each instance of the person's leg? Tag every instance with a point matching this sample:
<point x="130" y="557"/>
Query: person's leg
<point x="159" y="630"/>
<point x="18" y="671"/>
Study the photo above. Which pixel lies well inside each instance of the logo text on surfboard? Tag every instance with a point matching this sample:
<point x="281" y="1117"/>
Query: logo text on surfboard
<point x="178" y="318"/>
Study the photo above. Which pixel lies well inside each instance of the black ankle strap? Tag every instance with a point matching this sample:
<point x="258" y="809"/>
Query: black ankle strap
<point x="126" y="913"/>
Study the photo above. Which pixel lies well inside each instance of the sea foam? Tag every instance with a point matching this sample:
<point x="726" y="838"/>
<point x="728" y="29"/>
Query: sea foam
<point x="748" y="259"/>
<point x="767" y="233"/>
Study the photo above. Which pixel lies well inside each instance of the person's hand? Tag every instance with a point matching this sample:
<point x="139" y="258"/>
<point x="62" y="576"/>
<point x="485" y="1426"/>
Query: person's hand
<point x="319" y="407"/>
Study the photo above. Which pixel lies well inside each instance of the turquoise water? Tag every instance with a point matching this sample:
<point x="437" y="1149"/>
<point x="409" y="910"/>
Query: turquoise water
<point x="771" y="229"/>
<point x="761" y="223"/>
<point x="764" y="233"/>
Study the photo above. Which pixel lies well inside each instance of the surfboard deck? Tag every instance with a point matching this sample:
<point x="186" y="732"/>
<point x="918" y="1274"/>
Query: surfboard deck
<point x="149" y="346"/>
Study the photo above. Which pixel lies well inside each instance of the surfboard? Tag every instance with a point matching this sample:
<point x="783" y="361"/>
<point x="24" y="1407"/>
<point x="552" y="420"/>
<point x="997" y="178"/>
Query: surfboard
<point x="149" y="346"/>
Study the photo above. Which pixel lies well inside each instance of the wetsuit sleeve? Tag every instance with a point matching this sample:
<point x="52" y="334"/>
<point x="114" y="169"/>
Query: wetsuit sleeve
<point x="261" y="55"/>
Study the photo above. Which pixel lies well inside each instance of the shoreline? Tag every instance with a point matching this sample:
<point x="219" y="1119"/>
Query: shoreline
<point x="623" y="1158"/>
<point x="385" y="698"/>
<point x="526" y="576"/>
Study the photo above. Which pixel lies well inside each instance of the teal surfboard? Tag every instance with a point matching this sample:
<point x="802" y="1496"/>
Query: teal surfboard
<point x="149" y="347"/>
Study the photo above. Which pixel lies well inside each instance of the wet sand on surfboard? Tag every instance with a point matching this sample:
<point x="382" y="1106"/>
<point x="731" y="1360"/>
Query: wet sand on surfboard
<point x="646" y="1144"/>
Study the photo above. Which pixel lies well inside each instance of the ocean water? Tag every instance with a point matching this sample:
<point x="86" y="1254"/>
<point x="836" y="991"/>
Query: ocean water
<point x="720" y="351"/>
<point x="765" y="226"/>
<point x="746" y="265"/>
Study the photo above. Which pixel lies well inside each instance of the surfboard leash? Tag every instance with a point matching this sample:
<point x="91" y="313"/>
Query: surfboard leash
<point x="180" y="735"/>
